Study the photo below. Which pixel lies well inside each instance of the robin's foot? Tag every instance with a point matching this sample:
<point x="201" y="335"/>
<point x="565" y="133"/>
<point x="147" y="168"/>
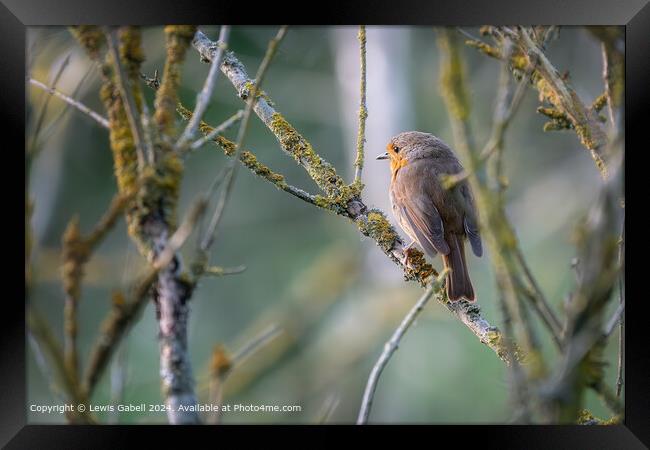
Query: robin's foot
<point x="407" y="254"/>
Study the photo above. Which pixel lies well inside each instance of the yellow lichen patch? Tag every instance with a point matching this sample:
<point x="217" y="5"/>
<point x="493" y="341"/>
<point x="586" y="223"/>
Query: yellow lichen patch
<point x="496" y="340"/>
<point x="585" y="417"/>
<point x="485" y="48"/>
<point x="124" y="155"/>
<point x="519" y="62"/>
<point x="339" y="201"/>
<point x="417" y="268"/>
<point x="249" y="87"/>
<point x="376" y="226"/>
<point x="118" y="299"/>
<point x="323" y="174"/>
<point x="600" y="102"/>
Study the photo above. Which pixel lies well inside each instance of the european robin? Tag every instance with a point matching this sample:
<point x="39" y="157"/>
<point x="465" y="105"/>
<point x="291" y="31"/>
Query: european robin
<point x="438" y="219"/>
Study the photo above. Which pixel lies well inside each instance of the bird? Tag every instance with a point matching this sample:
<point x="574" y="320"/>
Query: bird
<point x="439" y="220"/>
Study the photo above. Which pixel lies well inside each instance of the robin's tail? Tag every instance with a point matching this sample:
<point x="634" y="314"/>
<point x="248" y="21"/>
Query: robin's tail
<point x="458" y="283"/>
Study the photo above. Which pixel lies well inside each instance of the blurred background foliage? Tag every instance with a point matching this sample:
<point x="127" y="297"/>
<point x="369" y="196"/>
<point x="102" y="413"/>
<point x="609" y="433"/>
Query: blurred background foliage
<point x="333" y="295"/>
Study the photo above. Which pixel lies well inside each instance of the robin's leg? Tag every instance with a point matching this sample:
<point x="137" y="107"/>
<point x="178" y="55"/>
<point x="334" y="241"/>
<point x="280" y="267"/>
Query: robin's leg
<point x="407" y="252"/>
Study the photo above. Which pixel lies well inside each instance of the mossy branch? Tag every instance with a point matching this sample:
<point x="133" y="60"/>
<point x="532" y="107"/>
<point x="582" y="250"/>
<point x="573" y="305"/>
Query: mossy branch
<point x="558" y="92"/>
<point x="363" y="109"/>
<point x="345" y="199"/>
<point x="568" y="111"/>
<point x="497" y="230"/>
<point x="151" y="221"/>
<point x="77" y="250"/>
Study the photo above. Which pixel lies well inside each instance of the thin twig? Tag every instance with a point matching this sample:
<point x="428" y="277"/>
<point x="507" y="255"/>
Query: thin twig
<point x="130" y="107"/>
<point x="223" y="364"/>
<point x="243" y="128"/>
<point x="51" y="126"/>
<point x="389" y="348"/>
<point x="504" y="113"/>
<point x="218" y="130"/>
<point x="72" y="102"/>
<point x="254" y="345"/>
<point x="616" y="319"/>
<point x="222" y="271"/>
<point x="494" y="222"/>
<point x="45" y="104"/>
<point x="249" y="160"/>
<point x="540" y="302"/>
<point x="47" y="342"/>
<point x="363" y="110"/>
<point x="204" y="97"/>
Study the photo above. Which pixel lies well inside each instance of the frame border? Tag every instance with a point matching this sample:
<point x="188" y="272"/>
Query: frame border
<point x="16" y="15"/>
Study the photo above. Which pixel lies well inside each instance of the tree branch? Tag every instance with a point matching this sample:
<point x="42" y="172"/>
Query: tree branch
<point x="229" y="177"/>
<point x="562" y="96"/>
<point x="389" y="348"/>
<point x="72" y="102"/>
<point x="363" y="110"/>
<point x="345" y="200"/>
<point x="130" y="107"/>
<point x="204" y="97"/>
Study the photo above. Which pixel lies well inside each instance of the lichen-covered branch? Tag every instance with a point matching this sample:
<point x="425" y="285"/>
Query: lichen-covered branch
<point x="247" y="158"/>
<point x="497" y="230"/>
<point x="151" y="221"/>
<point x="231" y="171"/>
<point x="567" y="109"/>
<point x="204" y="97"/>
<point x="581" y="365"/>
<point x="363" y="109"/>
<point x="77" y="249"/>
<point x="345" y="199"/>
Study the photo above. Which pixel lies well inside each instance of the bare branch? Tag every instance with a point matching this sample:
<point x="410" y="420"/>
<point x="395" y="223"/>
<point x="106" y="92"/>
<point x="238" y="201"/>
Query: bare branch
<point x="204" y="97"/>
<point x="72" y="102"/>
<point x="48" y="344"/>
<point x="217" y="271"/>
<point x="217" y="130"/>
<point x="45" y="104"/>
<point x="389" y="348"/>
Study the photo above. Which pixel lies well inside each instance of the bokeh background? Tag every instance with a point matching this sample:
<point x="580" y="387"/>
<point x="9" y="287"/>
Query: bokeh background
<point x="332" y="293"/>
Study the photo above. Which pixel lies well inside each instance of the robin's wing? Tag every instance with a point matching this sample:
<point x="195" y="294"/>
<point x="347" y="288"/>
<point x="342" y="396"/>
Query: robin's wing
<point x="418" y="210"/>
<point x="470" y="222"/>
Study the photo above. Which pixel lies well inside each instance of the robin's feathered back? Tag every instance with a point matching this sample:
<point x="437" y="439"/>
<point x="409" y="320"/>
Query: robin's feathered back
<point x="439" y="220"/>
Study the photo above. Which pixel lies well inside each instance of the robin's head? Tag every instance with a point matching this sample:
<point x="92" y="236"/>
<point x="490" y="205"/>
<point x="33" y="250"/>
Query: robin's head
<point x="411" y="145"/>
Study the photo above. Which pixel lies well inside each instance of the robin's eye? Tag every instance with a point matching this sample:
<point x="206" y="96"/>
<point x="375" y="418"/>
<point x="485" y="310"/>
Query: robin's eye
<point x="395" y="148"/>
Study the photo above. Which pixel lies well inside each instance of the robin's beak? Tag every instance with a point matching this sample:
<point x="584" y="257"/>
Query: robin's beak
<point x="383" y="156"/>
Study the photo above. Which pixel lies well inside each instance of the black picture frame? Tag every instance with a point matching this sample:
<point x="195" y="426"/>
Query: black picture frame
<point x="16" y="15"/>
